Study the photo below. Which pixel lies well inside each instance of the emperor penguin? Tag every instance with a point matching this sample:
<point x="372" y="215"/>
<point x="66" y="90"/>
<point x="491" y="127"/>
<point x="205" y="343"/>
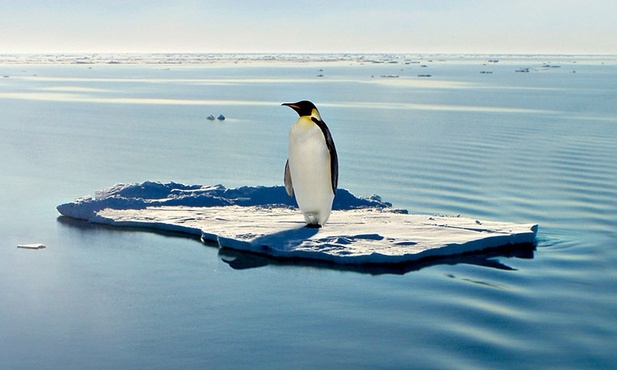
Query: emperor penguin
<point x="311" y="171"/>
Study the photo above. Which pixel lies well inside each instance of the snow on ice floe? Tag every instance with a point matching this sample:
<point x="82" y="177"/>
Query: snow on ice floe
<point x="265" y="220"/>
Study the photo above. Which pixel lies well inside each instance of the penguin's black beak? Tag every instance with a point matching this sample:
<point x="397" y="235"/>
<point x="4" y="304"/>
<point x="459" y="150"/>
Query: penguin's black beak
<point x="293" y="106"/>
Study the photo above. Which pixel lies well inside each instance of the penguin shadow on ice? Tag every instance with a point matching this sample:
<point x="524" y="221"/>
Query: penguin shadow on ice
<point x="287" y="239"/>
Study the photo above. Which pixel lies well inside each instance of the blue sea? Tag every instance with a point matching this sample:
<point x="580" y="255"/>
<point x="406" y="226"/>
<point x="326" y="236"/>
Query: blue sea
<point x="476" y="138"/>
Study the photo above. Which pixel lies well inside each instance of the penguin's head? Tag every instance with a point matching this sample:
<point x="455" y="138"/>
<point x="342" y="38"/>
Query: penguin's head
<point x="304" y="108"/>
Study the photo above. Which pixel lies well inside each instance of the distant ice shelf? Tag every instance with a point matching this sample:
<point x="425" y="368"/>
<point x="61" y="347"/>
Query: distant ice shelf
<point x="265" y="220"/>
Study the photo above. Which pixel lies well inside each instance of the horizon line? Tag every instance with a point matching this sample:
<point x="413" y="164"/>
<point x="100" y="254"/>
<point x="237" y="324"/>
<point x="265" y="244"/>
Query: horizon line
<point x="301" y="53"/>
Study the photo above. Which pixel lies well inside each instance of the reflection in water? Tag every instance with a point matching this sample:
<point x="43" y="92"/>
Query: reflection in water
<point x="241" y="260"/>
<point x="72" y="95"/>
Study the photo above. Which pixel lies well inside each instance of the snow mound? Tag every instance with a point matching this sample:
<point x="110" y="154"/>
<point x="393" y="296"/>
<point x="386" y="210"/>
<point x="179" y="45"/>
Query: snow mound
<point x="265" y="220"/>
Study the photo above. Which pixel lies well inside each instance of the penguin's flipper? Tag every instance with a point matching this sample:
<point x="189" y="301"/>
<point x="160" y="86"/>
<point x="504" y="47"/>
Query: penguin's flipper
<point x="332" y="149"/>
<point x="288" y="185"/>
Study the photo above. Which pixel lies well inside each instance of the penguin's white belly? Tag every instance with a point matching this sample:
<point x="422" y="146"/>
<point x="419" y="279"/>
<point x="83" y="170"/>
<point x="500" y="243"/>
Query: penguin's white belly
<point x="309" y="166"/>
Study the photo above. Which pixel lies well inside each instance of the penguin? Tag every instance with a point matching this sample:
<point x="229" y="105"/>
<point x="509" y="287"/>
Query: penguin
<point x="311" y="171"/>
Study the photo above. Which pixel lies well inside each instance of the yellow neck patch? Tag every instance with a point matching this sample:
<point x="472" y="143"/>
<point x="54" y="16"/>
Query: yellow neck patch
<point x="315" y="113"/>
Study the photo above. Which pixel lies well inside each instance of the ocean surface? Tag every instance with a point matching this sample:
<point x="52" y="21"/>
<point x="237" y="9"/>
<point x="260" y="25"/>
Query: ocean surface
<point x="476" y="138"/>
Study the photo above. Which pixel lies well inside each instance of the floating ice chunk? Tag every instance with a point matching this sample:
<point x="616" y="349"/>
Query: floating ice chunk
<point x="265" y="220"/>
<point x="32" y="246"/>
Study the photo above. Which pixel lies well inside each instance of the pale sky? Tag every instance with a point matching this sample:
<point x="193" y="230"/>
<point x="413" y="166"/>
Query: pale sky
<point x="422" y="26"/>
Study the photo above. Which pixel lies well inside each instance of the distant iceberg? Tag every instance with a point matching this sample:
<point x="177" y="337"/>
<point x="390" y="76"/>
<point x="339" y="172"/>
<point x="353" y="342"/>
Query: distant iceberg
<point x="265" y="220"/>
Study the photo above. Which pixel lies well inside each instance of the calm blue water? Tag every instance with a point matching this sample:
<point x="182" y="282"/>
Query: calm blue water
<point x="527" y="147"/>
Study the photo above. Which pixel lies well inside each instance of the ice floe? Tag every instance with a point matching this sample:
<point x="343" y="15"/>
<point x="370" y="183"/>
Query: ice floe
<point x="265" y="220"/>
<point x="32" y="246"/>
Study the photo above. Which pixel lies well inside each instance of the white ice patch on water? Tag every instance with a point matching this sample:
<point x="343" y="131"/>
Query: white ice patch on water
<point x="265" y="220"/>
